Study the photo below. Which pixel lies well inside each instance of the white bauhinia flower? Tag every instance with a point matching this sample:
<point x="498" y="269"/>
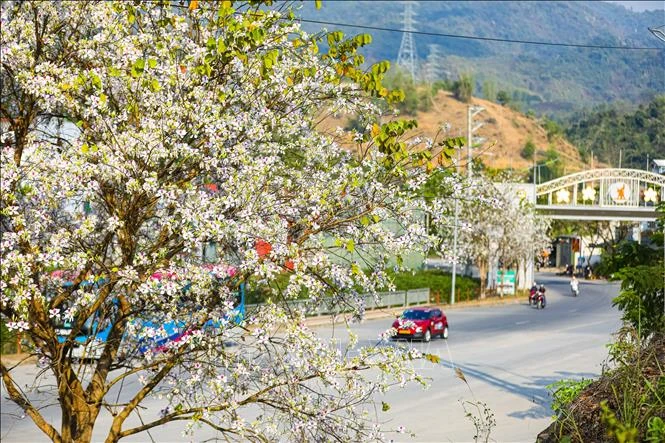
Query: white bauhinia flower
<point x="161" y="155"/>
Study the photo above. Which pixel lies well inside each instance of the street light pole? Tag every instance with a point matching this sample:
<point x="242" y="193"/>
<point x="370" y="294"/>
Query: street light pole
<point x="454" y="267"/>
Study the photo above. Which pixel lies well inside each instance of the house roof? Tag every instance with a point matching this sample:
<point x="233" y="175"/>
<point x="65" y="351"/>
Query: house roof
<point x="659" y="162"/>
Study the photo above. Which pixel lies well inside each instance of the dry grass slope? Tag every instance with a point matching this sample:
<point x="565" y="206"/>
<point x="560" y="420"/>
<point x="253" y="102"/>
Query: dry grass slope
<point x="506" y="131"/>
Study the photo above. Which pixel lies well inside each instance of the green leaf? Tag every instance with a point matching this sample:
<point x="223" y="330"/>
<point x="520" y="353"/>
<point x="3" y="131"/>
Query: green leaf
<point x="385" y="407"/>
<point x="364" y="220"/>
<point x="154" y="85"/>
<point x="85" y="148"/>
<point x="350" y="246"/>
<point x="103" y="99"/>
<point x="138" y="68"/>
<point x="96" y="81"/>
<point x="152" y="63"/>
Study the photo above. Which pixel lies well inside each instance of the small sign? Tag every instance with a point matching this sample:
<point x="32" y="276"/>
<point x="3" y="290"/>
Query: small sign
<point x="505" y="282"/>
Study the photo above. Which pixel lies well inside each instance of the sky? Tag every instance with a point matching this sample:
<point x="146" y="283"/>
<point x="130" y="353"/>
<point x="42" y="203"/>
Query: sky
<point x="639" y="6"/>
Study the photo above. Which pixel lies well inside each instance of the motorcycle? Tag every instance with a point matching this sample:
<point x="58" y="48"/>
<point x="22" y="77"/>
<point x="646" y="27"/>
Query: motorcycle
<point x="532" y="294"/>
<point x="539" y="300"/>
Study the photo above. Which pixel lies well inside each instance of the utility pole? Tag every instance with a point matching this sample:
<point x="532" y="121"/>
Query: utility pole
<point x="620" y="155"/>
<point x="454" y="276"/>
<point x="406" y="58"/>
<point x="472" y="111"/>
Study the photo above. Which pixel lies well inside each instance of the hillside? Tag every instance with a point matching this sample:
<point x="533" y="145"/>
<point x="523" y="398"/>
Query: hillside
<point x="506" y="131"/>
<point x="607" y="132"/>
<point x="546" y="79"/>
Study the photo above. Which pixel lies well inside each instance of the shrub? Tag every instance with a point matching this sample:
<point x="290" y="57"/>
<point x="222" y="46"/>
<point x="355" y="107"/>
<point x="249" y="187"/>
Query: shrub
<point x="528" y="150"/>
<point x="463" y="88"/>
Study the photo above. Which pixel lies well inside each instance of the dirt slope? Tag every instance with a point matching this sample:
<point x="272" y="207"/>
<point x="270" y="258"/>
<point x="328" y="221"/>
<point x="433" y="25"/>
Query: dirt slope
<point x="506" y="132"/>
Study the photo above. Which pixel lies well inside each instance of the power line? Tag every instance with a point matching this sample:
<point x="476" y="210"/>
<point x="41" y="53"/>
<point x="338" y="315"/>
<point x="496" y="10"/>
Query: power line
<point x="491" y="39"/>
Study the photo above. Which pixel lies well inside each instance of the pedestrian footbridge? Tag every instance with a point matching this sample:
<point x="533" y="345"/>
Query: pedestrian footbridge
<point x="602" y="194"/>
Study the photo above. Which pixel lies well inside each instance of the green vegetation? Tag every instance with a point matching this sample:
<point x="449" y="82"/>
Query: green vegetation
<point x="503" y="98"/>
<point x="7" y="339"/>
<point x="489" y="90"/>
<point x="463" y="88"/>
<point x="528" y="150"/>
<point x="438" y="282"/>
<point x="627" y="403"/>
<point x="550" y="80"/>
<point x="606" y="130"/>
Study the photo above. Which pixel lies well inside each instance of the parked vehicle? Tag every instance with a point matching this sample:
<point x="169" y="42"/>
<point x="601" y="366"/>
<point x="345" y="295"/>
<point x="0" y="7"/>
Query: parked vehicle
<point x="423" y="323"/>
<point x="90" y="340"/>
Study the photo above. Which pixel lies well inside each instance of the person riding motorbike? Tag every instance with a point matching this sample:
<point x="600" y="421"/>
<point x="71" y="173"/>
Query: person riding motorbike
<point x="541" y="293"/>
<point x="532" y="292"/>
<point x="575" y="286"/>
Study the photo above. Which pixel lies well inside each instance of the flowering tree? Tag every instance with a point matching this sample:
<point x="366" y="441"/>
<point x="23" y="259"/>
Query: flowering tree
<point x="196" y="125"/>
<point x="493" y="225"/>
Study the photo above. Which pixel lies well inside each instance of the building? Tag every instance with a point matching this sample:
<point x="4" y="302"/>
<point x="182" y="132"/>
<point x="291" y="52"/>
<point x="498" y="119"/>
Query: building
<point x="658" y="166"/>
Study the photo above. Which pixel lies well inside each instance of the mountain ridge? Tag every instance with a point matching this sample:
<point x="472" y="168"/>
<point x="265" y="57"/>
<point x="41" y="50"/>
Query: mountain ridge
<point x="546" y="79"/>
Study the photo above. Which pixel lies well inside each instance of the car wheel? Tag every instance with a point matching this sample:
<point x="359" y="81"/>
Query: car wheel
<point x="427" y="336"/>
<point x="444" y="334"/>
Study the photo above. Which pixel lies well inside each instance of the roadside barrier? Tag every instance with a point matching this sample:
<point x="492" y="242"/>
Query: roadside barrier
<point x="332" y="305"/>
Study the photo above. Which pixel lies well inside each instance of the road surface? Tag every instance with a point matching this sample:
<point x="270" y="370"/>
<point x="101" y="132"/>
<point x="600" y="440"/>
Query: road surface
<point x="508" y="354"/>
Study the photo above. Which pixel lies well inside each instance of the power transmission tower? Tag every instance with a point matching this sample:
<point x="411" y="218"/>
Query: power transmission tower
<point x="406" y="58"/>
<point x="434" y="68"/>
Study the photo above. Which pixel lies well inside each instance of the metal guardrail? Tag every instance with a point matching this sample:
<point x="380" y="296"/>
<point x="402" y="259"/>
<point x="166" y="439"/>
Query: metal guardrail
<point x="382" y="300"/>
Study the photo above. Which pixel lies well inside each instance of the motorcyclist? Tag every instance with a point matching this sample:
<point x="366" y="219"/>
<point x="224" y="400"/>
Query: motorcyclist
<point x="575" y="285"/>
<point x="532" y="291"/>
<point x="541" y="290"/>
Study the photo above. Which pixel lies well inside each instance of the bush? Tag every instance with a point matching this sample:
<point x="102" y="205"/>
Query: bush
<point x="463" y="88"/>
<point x="438" y="281"/>
<point x="528" y="150"/>
<point x="641" y="298"/>
<point x="503" y="97"/>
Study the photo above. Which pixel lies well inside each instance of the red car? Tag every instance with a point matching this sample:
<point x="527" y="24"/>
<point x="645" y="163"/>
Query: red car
<point x="421" y="323"/>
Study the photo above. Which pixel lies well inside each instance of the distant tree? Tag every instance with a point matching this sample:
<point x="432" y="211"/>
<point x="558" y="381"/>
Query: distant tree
<point x="641" y="133"/>
<point x="463" y="88"/>
<point x="552" y="128"/>
<point x="503" y="97"/>
<point x="528" y="150"/>
<point x="398" y="79"/>
<point x="489" y="90"/>
<point x="441" y="85"/>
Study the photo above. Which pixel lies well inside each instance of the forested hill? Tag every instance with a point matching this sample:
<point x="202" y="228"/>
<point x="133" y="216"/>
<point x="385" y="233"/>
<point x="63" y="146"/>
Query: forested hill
<point x="607" y="132"/>
<point x="546" y="79"/>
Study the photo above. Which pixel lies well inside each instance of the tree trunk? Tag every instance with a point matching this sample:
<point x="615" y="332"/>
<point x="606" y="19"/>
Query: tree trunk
<point x="78" y="416"/>
<point x="482" y="269"/>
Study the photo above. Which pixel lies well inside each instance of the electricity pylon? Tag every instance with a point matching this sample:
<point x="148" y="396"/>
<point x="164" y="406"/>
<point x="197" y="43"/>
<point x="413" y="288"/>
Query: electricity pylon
<point x="406" y="58"/>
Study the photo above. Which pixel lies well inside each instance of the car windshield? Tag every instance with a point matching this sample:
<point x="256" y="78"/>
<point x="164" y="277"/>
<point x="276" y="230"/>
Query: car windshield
<point x="415" y="315"/>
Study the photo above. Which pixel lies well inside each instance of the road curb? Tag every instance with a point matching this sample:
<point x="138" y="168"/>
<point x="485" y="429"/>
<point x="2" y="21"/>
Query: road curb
<point x="392" y="312"/>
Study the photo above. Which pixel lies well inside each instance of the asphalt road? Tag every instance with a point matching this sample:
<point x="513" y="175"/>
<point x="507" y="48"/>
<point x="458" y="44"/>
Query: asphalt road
<point x="508" y="354"/>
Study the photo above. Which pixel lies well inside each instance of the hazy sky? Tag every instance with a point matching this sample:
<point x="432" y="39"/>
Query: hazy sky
<point x="638" y="6"/>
